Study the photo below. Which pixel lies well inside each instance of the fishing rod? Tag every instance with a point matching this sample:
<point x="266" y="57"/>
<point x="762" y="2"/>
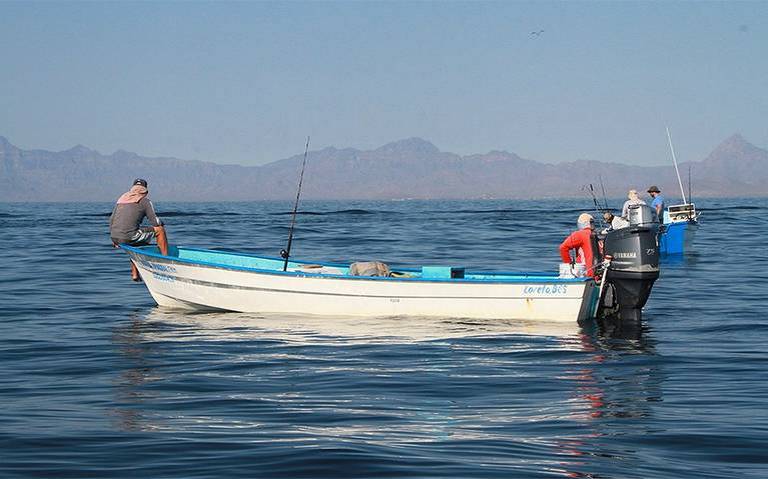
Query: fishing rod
<point x="693" y="215"/>
<point x="605" y="198"/>
<point x="674" y="160"/>
<point x="598" y="209"/>
<point x="690" y="189"/>
<point x="594" y="198"/>
<point x="286" y="253"/>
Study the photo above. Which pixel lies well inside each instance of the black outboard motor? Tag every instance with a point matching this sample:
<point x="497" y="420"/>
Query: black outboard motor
<point x="634" y="265"/>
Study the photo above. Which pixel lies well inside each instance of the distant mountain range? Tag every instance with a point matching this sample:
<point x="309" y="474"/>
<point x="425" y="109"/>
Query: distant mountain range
<point x="411" y="168"/>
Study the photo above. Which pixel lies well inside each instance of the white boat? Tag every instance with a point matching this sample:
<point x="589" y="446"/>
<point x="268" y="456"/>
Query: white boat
<point x="199" y="279"/>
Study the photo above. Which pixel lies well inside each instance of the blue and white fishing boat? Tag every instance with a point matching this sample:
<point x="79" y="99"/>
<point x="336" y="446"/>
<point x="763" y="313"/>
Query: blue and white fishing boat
<point x="199" y="279"/>
<point x="679" y="228"/>
<point x="680" y="222"/>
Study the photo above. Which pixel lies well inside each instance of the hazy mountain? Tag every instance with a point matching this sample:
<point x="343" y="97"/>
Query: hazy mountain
<point x="411" y="168"/>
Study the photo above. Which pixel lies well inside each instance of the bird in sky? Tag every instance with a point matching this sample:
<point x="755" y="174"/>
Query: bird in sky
<point x="537" y="33"/>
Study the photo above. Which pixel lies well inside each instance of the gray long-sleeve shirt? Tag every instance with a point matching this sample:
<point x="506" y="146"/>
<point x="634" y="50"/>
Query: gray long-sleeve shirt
<point x="127" y="217"/>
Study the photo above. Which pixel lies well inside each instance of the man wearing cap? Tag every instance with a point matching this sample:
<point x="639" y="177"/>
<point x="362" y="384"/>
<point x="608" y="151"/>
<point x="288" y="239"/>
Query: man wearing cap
<point x="658" y="202"/>
<point x="583" y="242"/>
<point x="125" y="223"/>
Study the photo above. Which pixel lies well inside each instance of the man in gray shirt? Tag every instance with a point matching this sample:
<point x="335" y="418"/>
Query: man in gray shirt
<point x="125" y="223"/>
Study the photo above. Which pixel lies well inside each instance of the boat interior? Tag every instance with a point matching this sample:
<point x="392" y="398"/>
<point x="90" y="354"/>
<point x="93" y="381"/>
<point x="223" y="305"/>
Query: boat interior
<point x="677" y="213"/>
<point x="233" y="260"/>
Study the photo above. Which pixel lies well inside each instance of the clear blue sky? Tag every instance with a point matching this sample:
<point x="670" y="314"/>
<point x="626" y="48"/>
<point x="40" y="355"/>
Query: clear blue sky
<point x="247" y="82"/>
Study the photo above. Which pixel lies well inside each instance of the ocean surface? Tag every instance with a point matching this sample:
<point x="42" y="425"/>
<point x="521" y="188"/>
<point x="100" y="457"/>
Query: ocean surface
<point x="96" y="381"/>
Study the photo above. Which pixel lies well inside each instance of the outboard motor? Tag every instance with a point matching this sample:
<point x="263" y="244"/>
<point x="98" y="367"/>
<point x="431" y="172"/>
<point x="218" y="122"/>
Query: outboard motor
<point x="634" y="265"/>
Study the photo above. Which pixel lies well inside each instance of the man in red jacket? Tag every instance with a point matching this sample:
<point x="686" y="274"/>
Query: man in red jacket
<point x="583" y="243"/>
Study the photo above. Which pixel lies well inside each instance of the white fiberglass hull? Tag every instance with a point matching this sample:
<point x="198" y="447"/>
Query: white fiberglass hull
<point x="179" y="283"/>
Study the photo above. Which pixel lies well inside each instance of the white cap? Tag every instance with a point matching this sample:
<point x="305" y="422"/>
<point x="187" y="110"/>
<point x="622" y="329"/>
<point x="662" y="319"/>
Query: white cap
<point x="585" y="219"/>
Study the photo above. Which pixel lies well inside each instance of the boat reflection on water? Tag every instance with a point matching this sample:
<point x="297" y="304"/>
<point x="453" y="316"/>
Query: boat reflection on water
<point x="224" y="326"/>
<point x="149" y="340"/>
<point x="613" y="328"/>
<point x="573" y="394"/>
<point x="677" y="261"/>
<point x="615" y="396"/>
<point x="130" y="386"/>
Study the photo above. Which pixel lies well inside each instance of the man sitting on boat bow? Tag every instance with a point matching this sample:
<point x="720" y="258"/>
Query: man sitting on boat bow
<point x="125" y="223"/>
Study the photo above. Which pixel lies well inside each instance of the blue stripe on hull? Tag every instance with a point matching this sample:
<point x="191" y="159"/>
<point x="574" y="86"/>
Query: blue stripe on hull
<point x="273" y="266"/>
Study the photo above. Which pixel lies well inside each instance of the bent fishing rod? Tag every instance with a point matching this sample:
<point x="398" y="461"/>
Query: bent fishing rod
<point x="286" y="253"/>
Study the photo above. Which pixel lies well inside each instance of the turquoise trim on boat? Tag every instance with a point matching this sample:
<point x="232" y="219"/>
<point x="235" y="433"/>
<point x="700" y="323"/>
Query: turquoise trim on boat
<point x="274" y="266"/>
<point x="442" y="272"/>
<point x="252" y="262"/>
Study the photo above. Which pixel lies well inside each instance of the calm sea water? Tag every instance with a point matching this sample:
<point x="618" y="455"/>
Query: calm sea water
<point x="97" y="381"/>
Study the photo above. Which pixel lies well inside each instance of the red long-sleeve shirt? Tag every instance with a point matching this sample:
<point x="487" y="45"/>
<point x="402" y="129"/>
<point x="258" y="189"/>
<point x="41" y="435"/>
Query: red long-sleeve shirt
<point x="581" y="241"/>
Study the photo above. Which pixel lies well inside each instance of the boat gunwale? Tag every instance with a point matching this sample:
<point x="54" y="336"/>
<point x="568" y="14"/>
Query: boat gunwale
<point x="536" y="277"/>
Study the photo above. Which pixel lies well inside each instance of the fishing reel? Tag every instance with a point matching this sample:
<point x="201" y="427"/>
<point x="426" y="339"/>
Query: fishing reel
<point x="602" y="267"/>
<point x="283" y="254"/>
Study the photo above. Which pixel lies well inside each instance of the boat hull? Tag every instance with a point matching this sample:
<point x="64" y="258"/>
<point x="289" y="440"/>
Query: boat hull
<point x="179" y="283"/>
<point x="677" y="237"/>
